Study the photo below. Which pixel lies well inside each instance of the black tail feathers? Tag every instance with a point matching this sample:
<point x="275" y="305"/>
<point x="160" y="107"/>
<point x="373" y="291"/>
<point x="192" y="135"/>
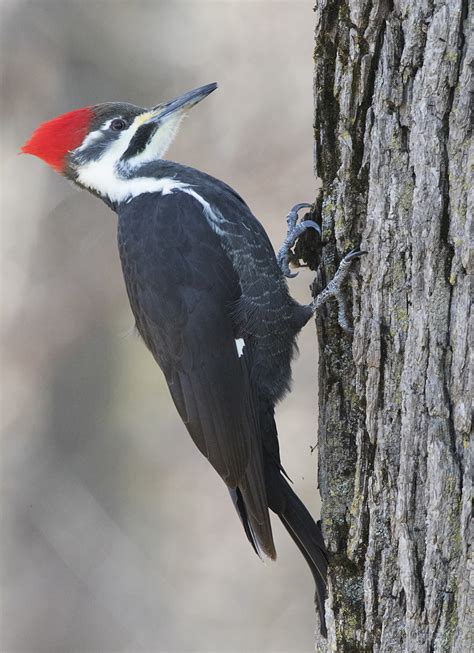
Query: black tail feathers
<point x="281" y="499"/>
<point x="239" y="504"/>
<point x="304" y="531"/>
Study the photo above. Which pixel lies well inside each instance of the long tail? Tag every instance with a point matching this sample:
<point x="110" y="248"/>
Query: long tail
<point x="304" y="531"/>
<point x="250" y="500"/>
<point x="263" y="487"/>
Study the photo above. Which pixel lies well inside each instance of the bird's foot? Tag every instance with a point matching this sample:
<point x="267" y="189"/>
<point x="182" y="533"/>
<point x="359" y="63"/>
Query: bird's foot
<point x="295" y="230"/>
<point x="334" y="289"/>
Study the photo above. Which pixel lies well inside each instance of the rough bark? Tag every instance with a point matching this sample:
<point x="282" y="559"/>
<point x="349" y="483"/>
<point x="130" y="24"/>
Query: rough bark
<point x="392" y="133"/>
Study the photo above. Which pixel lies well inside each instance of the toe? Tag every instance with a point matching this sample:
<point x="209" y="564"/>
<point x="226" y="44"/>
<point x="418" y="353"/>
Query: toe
<point x="355" y="253"/>
<point x="311" y="224"/>
<point x="301" y="205"/>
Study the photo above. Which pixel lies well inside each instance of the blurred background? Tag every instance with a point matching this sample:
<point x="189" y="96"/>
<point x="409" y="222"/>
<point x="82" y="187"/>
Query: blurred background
<point x="116" y="534"/>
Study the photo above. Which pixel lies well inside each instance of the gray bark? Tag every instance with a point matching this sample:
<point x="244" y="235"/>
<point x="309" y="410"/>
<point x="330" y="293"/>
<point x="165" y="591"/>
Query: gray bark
<point x="392" y="133"/>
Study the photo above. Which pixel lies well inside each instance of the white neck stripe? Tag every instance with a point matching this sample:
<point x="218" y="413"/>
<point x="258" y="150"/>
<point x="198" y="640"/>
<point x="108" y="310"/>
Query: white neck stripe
<point x="120" y="189"/>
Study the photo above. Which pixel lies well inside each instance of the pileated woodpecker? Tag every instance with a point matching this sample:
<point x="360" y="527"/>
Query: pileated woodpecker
<point x="209" y="298"/>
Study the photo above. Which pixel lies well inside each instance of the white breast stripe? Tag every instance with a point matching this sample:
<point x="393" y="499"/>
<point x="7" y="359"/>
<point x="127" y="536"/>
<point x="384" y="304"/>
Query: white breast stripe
<point x="239" y="345"/>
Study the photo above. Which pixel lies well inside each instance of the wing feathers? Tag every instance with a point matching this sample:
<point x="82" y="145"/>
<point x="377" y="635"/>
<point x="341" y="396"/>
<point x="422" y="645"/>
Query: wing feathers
<point x="255" y="498"/>
<point x="182" y="290"/>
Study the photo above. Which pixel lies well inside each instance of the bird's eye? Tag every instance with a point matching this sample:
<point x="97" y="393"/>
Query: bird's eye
<point x="117" y="124"/>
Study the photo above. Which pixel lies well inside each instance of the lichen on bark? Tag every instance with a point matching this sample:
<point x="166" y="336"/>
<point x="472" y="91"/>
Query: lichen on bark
<point x="392" y="136"/>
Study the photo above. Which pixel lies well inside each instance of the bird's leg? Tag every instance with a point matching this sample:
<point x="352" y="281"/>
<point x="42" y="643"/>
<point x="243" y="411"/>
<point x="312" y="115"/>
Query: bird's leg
<point x="334" y="289"/>
<point x="295" y="230"/>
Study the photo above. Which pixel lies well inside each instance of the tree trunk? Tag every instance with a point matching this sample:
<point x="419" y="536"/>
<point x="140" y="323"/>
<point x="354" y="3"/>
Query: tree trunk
<point x="392" y="138"/>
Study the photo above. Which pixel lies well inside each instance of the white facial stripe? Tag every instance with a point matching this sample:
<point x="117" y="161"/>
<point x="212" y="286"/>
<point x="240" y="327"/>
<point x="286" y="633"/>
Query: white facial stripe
<point x="94" y="136"/>
<point x="89" y="139"/>
<point x="103" y="175"/>
<point x="239" y="345"/>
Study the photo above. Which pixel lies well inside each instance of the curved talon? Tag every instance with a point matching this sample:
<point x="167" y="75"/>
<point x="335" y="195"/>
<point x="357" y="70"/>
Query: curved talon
<point x="292" y="217"/>
<point x="355" y="253"/>
<point x="310" y="224"/>
<point x="334" y="289"/>
<point x="283" y="262"/>
<point x="294" y="232"/>
<point x="301" y="205"/>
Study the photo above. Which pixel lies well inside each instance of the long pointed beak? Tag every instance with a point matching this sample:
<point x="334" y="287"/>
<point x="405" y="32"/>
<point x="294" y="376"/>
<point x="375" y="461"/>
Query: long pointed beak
<point x="183" y="102"/>
<point x="154" y="133"/>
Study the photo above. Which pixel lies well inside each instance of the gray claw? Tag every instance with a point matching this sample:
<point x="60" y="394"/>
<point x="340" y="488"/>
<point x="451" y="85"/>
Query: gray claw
<point x="334" y="289"/>
<point x="292" y="217"/>
<point x="309" y="224"/>
<point x="294" y="232"/>
<point x="285" y="268"/>
<point x="355" y="253"/>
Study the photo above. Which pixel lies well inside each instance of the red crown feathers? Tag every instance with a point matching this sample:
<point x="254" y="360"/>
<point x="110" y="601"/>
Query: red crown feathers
<point x="52" y="140"/>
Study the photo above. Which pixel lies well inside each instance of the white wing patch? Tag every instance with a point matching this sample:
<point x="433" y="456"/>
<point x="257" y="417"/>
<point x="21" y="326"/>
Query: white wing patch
<point x="239" y="345"/>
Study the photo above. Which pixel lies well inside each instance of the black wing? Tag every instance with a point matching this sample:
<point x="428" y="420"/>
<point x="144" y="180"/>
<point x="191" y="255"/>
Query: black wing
<point x="183" y="292"/>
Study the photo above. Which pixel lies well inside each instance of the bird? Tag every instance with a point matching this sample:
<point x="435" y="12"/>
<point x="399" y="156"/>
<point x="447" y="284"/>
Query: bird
<point x="209" y="297"/>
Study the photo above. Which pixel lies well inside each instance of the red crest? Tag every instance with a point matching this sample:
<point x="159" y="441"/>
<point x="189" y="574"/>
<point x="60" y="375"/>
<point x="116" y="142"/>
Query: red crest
<point x="52" y="140"/>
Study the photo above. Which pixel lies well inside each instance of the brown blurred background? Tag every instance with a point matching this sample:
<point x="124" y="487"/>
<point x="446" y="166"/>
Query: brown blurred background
<point x="116" y="534"/>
